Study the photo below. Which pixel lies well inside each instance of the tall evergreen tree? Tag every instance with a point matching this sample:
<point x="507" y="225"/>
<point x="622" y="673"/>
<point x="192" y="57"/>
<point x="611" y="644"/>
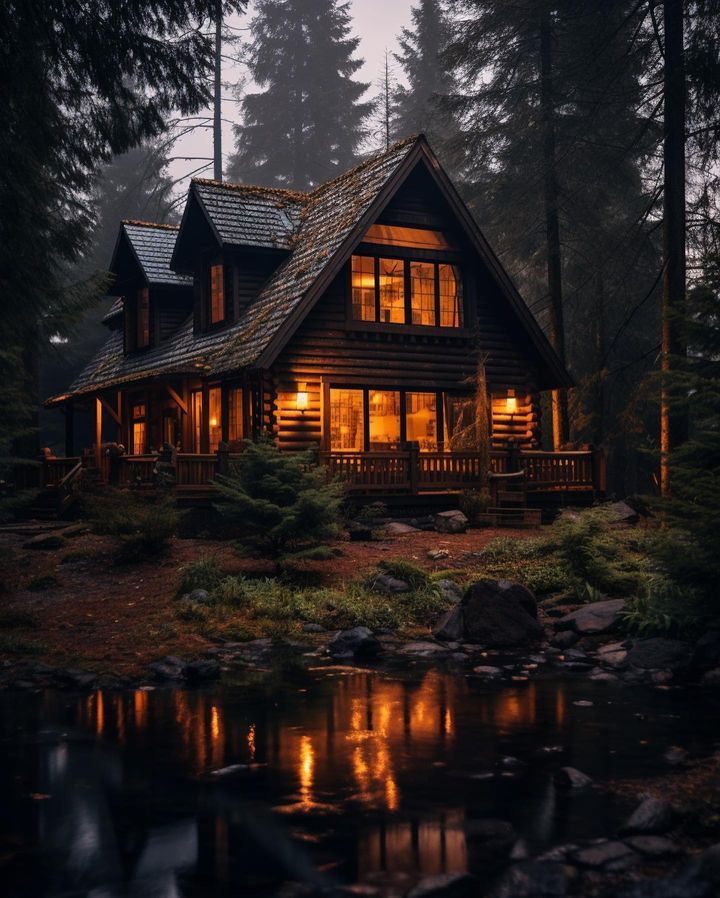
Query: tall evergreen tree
<point x="552" y="162"/>
<point x="134" y="185"/>
<point x="417" y="106"/>
<point x="78" y="83"/>
<point x="306" y="124"/>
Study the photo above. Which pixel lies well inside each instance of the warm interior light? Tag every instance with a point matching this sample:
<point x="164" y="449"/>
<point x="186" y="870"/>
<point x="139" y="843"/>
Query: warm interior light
<point x="301" y="401"/>
<point x="213" y="422"/>
<point x="511" y="402"/>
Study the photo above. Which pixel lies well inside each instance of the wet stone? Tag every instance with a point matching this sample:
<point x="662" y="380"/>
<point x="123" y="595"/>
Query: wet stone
<point x="611" y="855"/>
<point x="444" y="885"/>
<point x="654" y="815"/>
<point x="654" y="846"/>
<point x="571" y="778"/>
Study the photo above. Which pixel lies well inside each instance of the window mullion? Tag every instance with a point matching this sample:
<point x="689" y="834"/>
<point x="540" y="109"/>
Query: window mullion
<point x="437" y="294"/>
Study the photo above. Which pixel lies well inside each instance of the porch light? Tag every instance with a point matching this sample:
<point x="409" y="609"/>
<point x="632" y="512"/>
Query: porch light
<point x="213" y="422"/>
<point x="301" y="400"/>
<point x="511" y="402"/>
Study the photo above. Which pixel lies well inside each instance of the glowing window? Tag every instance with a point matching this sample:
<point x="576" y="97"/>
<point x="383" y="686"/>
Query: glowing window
<point x="451" y="296"/>
<point x="422" y="292"/>
<point x="138" y="428"/>
<point x="459" y="416"/>
<point x="384" y="417"/>
<point x="214" y="417"/>
<point x="421" y="420"/>
<point x="347" y="432"/>
<point x="235" y="417"/>
<point x="392" y="291"/>
<point x="197" y="414"/>
<point x="217" y="294"/>
<point x="418" y="238"/>
<point x="143" y="318"/>
<point x="363" y="288"/>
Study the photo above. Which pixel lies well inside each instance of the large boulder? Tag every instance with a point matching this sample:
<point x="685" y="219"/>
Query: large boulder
<point x="706" y="654"/>
<point x="593" y="619"/>
<point x="451" y="522"/>
<point x="500" y="614"/>
<point x="358" y="642"/>
<point x="659" y="653"/>
<point x="450" y="627"/>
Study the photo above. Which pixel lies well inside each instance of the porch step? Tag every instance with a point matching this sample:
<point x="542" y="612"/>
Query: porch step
<point x="516" y="517"/>
<point x="508" y="497"/>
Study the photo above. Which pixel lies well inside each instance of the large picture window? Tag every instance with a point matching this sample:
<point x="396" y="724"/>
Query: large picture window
<point x="380" y="286"/>
<point x="421" y="420"/>
<point x="384" y="420"/>
<point x="347" y="432"/>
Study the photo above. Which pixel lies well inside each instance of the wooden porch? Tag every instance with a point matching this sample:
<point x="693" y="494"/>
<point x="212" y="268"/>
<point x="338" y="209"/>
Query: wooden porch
<point x="547" y="477"/>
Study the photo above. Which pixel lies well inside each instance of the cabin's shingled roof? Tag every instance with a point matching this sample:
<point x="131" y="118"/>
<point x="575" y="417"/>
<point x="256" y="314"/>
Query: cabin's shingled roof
<point x="251" y="216"/>
<point x="152" y="245"/>
<point x="322" y="219"/>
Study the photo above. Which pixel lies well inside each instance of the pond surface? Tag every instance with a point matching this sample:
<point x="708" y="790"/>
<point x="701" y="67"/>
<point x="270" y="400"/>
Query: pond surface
<point x="347" y="776"/>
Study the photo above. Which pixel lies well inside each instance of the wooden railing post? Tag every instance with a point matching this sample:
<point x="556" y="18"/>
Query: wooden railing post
<point x="414" y="466"/>
<point x="599" y="471"/>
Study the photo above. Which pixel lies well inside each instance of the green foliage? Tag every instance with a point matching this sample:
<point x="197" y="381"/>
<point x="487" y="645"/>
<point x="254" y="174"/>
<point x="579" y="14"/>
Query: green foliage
<point x="590" y="549"/>
<point x="664" y="609"/>
<point x="474" y="503"/>
<point x="143" y="525"/>
<point x="231" y="591"/>
<point x="279" y="501"/>
<point x="203" y="574"/>
<point x="404" y="570"/>
<point x="372" y="513"/>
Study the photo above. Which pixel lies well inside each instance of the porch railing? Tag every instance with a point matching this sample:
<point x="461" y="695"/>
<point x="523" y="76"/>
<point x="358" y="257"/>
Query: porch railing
<point x="56" y="469"/>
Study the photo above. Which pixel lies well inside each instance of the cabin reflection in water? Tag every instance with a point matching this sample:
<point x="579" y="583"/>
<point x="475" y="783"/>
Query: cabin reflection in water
<point x="359" y="754"/>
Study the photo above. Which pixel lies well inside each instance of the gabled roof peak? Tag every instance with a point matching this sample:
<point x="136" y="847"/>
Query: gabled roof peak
<point x="297" y="196"/>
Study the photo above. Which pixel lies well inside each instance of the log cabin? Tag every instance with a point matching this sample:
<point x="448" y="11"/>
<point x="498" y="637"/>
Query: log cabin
<point x="351" y="319"/>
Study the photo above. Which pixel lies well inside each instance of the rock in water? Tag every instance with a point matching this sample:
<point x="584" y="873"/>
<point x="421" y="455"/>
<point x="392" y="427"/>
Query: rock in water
<point x="659" y="653"/>
<point x="500" y="614"/>
<point x="654" y="815"/>
<point x="358" y="642"/>
<point x="595" y="618"/>
<point x="444" y="885"/>
<point x="571" y="778"/>
<point x="450" y="626"/>
<point x="451" y="522"/>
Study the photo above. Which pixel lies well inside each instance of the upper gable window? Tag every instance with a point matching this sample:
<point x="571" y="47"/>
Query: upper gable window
<point x="400" y="291"/>
<point x="217" y="294"/>
<point x="142" y="319"/>
<point x="415" y="238"/>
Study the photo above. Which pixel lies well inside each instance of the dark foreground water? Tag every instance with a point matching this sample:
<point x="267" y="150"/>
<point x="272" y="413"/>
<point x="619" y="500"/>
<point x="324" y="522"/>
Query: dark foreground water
<point x="347" y="776"/>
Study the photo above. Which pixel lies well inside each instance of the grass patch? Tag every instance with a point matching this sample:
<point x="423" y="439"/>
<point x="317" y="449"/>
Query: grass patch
<point x="404" y="570"/>
<point x="143" y="525"/>
<point x="203" y="574"/>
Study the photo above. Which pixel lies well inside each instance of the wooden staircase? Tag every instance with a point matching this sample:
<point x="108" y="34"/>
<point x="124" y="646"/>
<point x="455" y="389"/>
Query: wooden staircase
<point x="510" y="508"/>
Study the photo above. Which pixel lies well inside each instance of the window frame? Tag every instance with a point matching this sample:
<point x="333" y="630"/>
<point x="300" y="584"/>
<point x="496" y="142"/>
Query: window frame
<point x="407" y="256"/>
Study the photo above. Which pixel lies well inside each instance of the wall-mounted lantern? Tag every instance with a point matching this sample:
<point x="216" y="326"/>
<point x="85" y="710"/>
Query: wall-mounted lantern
<point x="301" y="400"/>
<point x="511" y="402"/>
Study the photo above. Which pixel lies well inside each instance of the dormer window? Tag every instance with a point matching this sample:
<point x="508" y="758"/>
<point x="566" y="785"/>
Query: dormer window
<point x="142" y="331"/>
<point x="217" y="294"/>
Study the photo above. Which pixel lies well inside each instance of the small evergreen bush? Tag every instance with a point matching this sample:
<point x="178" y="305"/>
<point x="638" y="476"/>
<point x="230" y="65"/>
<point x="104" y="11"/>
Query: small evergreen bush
<point x="280" y="501"/>
<point x="203" y="574"/>
<point x="474" y="503"/>
<point x="143" y="525"/>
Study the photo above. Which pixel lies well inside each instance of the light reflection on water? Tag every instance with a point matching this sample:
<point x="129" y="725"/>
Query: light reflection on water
<point x="346" y="777"/>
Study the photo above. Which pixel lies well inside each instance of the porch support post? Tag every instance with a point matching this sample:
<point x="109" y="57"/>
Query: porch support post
<point x="119" y="419"/>
<point x="98" y="432"/>
<point x="204" y="426"/>
<point x="69" y="429"/>
<point x="414" y="465"/>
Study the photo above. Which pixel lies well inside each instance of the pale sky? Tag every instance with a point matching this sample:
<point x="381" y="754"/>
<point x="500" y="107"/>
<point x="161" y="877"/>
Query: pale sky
<point x="376" y="22"/>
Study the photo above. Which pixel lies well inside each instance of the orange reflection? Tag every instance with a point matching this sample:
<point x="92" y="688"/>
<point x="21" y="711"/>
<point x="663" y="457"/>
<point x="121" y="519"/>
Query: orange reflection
<point x="516" y="708"/>
<point x="251" y="742"/>
<point x="140" y="708"/>
<point x="305" y="772"/>
<point x="99" y="713"/>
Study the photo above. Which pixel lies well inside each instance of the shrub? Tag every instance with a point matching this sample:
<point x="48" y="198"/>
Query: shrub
<point x="280" y="501"/>
<point x="664" y="609"/>
<point x="231" y="591"/>
<point x="474" y="503"/>
<point x="203" y="574"/>
<point x="372" y="513"/>
<point x="191" y="611"/>
<point x="143" y="525"/>
<point x="404" y="570"/>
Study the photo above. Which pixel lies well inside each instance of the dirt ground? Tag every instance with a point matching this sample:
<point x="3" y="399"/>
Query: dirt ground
<point x="114" y="618"/>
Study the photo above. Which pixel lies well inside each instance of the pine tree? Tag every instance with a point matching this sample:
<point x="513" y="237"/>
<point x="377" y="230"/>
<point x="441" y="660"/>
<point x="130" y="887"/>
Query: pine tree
<point x="417" y="106"/>
<point x="553" y="147"/>
<point x="306" y="124"/>
<point x="134" y="185"/>
<point x="78" y="83"/>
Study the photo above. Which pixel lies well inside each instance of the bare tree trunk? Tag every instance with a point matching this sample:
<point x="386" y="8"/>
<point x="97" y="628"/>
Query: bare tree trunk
<point x="217" y="98"/>
<point x="552" y="223"/>
<point x="482" y="422"/>
<point x="673" y="424"/>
